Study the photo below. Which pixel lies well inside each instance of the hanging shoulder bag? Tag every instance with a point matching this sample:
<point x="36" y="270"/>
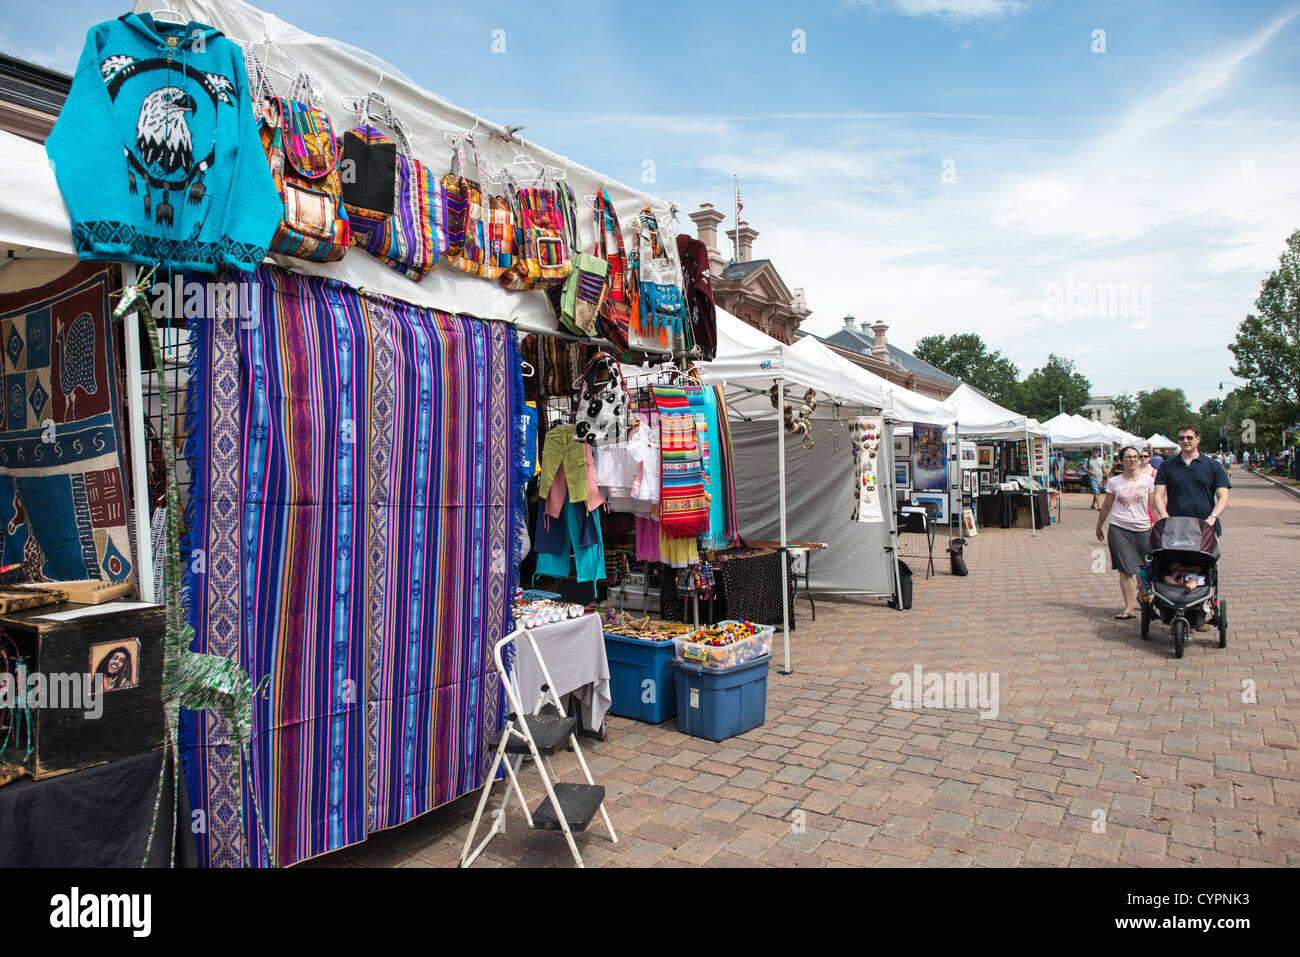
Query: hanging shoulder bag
<point x="602" y="407"/>
<point x="411" y="238"/>
<point x="301" y="149"/>
<point x="577" y="301"/>
<point x="657" y="275"/>
<point x="481" y="227"/>
<point x="614" y="317"/>
<point x="544" y="257"/>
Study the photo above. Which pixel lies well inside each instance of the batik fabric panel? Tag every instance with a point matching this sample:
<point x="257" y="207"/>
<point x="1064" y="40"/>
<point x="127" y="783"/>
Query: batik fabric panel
<point x="62" y="494"/>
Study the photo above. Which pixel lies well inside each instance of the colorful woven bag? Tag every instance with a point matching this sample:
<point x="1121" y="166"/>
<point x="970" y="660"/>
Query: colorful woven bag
<point x="300" y="147"/>
<point x="545" y="257"/>
<point x="657" y="277"/>
<point x="578" y="299"/>
<point x="411" y="239"/>
<point x="480" y="227"/>
<point x="615" y="314"/>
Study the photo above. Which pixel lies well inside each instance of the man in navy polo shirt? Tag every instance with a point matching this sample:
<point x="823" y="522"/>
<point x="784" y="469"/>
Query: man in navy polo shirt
<point x="1192" y="485"/>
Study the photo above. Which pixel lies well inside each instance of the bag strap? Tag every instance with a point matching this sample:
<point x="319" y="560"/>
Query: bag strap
<point x="259" y="83"/>
<point x="589" y="376"/>
<point x="478" y="159"/>
<point x="303" y="90"/>
<point x="367" y="113"/>
<point x="569" y="213"/>
<point x="606" y="222"/>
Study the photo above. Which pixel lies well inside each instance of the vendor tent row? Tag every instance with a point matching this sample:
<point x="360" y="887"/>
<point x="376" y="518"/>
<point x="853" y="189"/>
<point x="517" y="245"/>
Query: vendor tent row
<point x="450" y="322"/>
<point x="1072" y="430"/>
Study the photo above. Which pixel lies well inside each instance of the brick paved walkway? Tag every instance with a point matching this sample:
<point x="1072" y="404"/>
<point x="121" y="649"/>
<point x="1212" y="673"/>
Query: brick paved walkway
<point x="1093" y="721"/>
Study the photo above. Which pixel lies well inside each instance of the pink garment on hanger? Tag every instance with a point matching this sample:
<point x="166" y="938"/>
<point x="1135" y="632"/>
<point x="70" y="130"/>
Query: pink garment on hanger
<point x="560" y="488"/>
<point x="647" y="539"/>
<point x="594" y="499"/>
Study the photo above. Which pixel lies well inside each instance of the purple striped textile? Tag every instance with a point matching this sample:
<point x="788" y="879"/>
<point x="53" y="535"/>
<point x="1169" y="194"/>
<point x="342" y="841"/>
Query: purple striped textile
<point x="352" y="461"/>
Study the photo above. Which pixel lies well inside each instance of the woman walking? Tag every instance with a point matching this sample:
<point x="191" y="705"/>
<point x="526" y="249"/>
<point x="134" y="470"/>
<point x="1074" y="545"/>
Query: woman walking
<point x="1126" y="506"/>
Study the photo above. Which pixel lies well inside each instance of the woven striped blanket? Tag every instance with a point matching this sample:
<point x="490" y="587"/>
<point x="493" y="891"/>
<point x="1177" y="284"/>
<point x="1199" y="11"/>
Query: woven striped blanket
<point x="683" y="498"/>
<point x="351" y="506"/>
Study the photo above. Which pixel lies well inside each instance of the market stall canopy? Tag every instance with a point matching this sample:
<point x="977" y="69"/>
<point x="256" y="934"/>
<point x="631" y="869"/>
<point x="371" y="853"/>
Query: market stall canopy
<point x="978" y="415"/>
<point x="1073" y="430"/>
<point x="34" y="219"/>
<point x="1159" y="441"/>
<point x="903" y="404"/>
<point x="749" y="361"/>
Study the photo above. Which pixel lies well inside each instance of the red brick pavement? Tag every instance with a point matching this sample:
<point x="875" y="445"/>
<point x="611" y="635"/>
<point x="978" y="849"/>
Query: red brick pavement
<point x="1095" y="727"/>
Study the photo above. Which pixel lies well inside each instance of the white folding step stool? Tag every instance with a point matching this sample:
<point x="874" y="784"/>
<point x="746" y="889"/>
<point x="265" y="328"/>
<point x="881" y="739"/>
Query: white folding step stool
<point x="566" y="807"/>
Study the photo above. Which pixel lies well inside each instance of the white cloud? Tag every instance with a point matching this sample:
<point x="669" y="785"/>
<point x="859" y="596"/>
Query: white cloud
<point x="949" y="9"/>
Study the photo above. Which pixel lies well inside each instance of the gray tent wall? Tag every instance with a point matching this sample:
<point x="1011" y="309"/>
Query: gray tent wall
<point x="819" y="501"/>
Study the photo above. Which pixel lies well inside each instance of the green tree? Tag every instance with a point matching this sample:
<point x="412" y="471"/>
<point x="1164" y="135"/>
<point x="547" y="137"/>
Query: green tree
<point x="1267" y="346"/>
<point x="1126" y="412"/>
<point x="1163" y="411"/>
<point x="1038" y="395"/>
<point x="965" y="356"/>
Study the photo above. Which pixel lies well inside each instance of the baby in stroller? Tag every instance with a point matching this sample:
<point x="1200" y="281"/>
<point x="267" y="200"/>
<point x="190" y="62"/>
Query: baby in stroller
<point x="1182" y="580"/>
<point x="1189" y="576"/>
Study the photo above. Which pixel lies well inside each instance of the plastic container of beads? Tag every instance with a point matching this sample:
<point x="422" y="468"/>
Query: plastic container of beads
<point x="725" y="655"/>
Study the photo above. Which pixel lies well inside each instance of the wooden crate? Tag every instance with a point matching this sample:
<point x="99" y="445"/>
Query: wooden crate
<point x="130" y="715"/>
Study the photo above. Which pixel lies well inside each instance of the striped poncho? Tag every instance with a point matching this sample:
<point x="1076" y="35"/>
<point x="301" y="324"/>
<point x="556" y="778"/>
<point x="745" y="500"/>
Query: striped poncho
<point x="684" y="500"/>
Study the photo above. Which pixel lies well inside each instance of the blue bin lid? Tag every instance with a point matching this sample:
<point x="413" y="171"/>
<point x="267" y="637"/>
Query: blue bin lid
<point x="697" y="669"/>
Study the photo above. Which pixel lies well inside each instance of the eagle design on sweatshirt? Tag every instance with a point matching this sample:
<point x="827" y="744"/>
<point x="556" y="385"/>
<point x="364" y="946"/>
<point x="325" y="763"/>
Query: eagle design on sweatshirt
<point x="163" y="152"/>
<point x="162" y="135"/>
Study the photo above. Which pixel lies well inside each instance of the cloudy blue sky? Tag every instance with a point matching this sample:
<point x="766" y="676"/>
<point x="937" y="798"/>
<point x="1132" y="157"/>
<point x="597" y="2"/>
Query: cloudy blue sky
<point x="1110" y="180"/>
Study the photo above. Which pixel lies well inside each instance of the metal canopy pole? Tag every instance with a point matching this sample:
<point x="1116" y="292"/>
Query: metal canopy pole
<point x="1029" y="468"/>
<point x="139" y="467"/>
<point x="887" y="446"/>
<point x="785" y="570"/>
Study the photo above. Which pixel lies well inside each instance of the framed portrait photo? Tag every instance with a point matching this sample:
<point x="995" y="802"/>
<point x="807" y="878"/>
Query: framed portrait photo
<point x="117" y="663"/>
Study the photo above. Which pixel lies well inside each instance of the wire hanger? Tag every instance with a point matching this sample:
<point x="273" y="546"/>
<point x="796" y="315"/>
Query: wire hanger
<point x="164" y="14"/>
<point x="591" y="198"/>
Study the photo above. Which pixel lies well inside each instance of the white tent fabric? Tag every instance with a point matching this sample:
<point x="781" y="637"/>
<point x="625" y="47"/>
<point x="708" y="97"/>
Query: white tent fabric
<point x="902" y="403"/>
<point x="1158" y="440"/>
<point x="34" y="217"/>
<point x="750" y="358"/>
<point x="1073" y="430"/>
<point x="978" y="415"/>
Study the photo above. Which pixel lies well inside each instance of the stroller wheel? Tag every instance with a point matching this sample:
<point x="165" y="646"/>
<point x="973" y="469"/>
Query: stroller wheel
<point x="1180" y="636"/>
<point x="1146" y="621"/>
<point x="1222" y="617"/>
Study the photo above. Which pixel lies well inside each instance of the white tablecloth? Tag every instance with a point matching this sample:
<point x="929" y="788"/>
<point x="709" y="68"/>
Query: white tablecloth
<point x="574" y="652"/>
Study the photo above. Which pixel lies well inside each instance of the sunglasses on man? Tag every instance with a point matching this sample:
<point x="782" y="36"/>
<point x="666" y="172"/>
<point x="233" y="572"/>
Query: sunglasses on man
<point x="1186" y="438"/>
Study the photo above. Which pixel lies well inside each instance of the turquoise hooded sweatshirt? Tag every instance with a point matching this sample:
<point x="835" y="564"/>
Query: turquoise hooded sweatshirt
<point x="156" y="150"/>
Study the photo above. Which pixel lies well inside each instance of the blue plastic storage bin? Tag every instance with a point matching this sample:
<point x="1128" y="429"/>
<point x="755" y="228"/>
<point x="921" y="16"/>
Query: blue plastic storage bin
<point x="633" y="663"/>
<point x="719" y="703"/>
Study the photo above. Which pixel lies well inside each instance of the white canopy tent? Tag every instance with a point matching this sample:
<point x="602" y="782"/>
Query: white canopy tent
<point x="748" y="363"/>
<point x="902" y="403"/>
<point x="978" y="416"/>
<point x="1074" y="430"/>
<point x="1158" y="441"/>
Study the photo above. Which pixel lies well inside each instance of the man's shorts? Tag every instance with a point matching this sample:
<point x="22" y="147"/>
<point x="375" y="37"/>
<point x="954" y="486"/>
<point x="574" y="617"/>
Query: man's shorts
<point x="1094" y="486"/>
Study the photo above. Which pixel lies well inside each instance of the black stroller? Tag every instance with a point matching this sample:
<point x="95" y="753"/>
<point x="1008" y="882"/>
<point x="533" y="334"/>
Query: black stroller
<point x="1191" y="543"/>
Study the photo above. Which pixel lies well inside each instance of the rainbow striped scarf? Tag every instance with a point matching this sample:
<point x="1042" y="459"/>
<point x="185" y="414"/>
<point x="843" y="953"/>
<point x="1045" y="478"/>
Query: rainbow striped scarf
<point x="683" y="498"/>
